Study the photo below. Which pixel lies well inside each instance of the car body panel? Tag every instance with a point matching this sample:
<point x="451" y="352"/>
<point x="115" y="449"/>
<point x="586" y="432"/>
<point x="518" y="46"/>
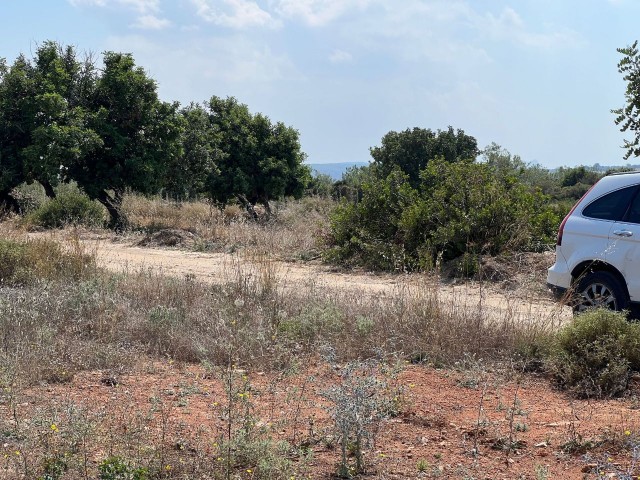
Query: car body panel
<point x="624" y="254"/>
<point x="611" y="242"/>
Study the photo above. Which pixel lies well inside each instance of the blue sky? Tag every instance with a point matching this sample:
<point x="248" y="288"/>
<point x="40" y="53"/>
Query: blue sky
<point x="538" y="77"/>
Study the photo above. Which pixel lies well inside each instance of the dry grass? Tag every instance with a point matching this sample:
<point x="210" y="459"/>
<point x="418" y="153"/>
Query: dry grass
<point x="293" y="233"/>
<point x="70" y="318"/>
<point x="103" y="320"/>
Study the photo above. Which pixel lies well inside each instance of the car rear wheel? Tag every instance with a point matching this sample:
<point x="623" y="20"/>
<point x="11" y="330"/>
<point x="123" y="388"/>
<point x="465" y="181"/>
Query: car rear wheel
<point x="599" y="290"/>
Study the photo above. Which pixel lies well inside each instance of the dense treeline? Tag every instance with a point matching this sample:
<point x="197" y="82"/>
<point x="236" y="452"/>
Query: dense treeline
<point x="428" y="196"/>
<point x="64" y="119"/>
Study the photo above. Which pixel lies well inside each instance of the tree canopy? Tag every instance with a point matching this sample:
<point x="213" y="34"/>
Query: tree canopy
<point x="412" y="149"/>
<point x="260" y="160"/>
<point x="453" y="206"/>
<point x="140" y="136"/>
<point x="628" y="117"/>
<point x="63" y="119"/>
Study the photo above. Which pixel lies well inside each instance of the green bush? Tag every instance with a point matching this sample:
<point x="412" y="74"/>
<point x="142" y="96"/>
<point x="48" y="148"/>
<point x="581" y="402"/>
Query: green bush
<point x="68" y="208"/>
<point x="460" y="208"/>
<point x="314" y="322"/>
<point x="114" y="468"/>
<point x="595" y="355"/>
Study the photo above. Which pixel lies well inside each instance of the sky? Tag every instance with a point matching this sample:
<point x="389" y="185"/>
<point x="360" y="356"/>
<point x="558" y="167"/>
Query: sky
<point x="538" y="77"/>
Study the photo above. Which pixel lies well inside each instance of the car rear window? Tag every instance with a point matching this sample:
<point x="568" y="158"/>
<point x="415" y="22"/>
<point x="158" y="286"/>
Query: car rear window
<point x="611" y="206"/>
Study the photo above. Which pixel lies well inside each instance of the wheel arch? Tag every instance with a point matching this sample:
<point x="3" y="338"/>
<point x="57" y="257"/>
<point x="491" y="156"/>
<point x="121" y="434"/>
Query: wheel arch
<point x="597" y="266"/>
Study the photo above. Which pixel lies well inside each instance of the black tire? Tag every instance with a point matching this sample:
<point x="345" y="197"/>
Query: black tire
<point x="599" y="290"/>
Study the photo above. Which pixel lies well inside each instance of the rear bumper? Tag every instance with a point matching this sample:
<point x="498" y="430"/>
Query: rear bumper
<point x="557" y="291"/>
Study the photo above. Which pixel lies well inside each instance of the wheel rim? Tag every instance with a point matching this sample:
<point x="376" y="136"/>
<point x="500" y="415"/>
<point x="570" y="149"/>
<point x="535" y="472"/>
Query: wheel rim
<point x="597" y="295"/>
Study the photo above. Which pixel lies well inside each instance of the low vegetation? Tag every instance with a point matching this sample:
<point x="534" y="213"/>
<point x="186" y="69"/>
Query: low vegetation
<point x="77" y="319"/>
<point x="596" y="355"/>
<point x="430" y="201"/>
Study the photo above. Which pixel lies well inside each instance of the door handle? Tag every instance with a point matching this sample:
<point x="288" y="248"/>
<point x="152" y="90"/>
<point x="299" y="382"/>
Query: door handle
<point x="623" y="233"/>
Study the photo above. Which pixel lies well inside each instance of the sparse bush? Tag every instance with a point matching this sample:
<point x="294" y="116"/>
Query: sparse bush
<point x="359" y="404"/>
<point x="595" y="355"/>
<point x="26" y="262"/>
<point x="115" y="468"/>
<point x="68" y="208"/>
<point x="312" y="323"/>
<point x="29" y="196"/>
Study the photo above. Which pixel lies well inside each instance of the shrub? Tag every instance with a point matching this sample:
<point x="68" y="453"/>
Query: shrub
<point x="26" y="262"/>
<point x="596" y="353"/>
<point x="68" y="208"/>
<point x="358" y="405"/>
<point x="114" y="468"/>
<point x="314" y="322"/>
<point x="397" y="226"/>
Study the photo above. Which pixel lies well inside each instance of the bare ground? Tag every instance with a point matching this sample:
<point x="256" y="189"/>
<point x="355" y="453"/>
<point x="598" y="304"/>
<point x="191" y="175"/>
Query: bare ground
<point x="520" y="297"/>
<point x="453" y="424"/>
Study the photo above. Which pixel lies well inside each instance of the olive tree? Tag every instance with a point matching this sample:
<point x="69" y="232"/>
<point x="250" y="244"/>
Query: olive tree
<point x="140" y="136"/>
<point x="260" y="160"/>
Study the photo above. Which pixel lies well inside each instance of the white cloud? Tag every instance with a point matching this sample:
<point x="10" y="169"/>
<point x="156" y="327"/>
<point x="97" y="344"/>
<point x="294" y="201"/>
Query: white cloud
<point x="146" y="10"/>
<point x="340" y="56"/>
<point x="509" y="25"/>
<point x="151" y="22"/>
<point x="318" y="12"/>
<point x="458" y="33"/>
<point x="141" y="6"/>
<point x="234" y="13"/>
<point x="89" y="3"/>
<point x="233" y="65"/>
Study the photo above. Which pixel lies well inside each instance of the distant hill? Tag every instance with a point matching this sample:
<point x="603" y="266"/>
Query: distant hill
<point x="603" y="168"/>
<point x="335" y="170"/>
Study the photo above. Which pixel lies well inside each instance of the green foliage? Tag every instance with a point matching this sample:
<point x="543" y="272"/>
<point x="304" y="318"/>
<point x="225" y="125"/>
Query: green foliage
<point x="189" y="174"/>
<point x="369" y="232"/>
<point x="351" y="184"/>
<point x="61" y="120"/>
<point x="258" y="454"/>
<point x="412" y="149"/>
<point x="43" y="117"/>
<point x="396" y="226"/>
<point x="312" y="323"/>
<point x="115" y="468"/>
<point x="68" y="208"/>
<point x="320" y="185"/>
<point x="140" y="135"/>
<point x="595" y="355"/>
<point x="54" y="468"/>
<point x="261" y="160"/>
<point x="628" y="117"/>
<point x="491" y="214"/>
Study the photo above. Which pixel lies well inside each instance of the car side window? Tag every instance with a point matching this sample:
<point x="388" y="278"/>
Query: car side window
<point x="612" y="206"/>
<point x="634" y="211"/>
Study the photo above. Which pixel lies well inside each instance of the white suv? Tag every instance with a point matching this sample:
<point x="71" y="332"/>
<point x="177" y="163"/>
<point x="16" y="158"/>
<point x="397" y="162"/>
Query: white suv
<point x="598" y="247"/>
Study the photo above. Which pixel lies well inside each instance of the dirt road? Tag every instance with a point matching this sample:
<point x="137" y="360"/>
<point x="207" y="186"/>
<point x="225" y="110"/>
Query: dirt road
<point x="523" y="302"/>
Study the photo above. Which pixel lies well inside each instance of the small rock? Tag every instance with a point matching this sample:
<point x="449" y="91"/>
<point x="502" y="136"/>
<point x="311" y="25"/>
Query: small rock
<point x="109" y="381"/>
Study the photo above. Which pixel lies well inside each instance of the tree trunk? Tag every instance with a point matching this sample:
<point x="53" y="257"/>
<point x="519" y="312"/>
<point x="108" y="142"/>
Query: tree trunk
<point x="8" y="202"/>
<point x="48" y="189"/>
<point x="248" y="206"/>
<point x="117" y="220"/>
<point x="264" y="201"/>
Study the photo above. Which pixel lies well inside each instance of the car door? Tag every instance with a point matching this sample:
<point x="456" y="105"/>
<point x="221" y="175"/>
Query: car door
<point x="588" y="233"/>
<point x="624" y="247"/>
